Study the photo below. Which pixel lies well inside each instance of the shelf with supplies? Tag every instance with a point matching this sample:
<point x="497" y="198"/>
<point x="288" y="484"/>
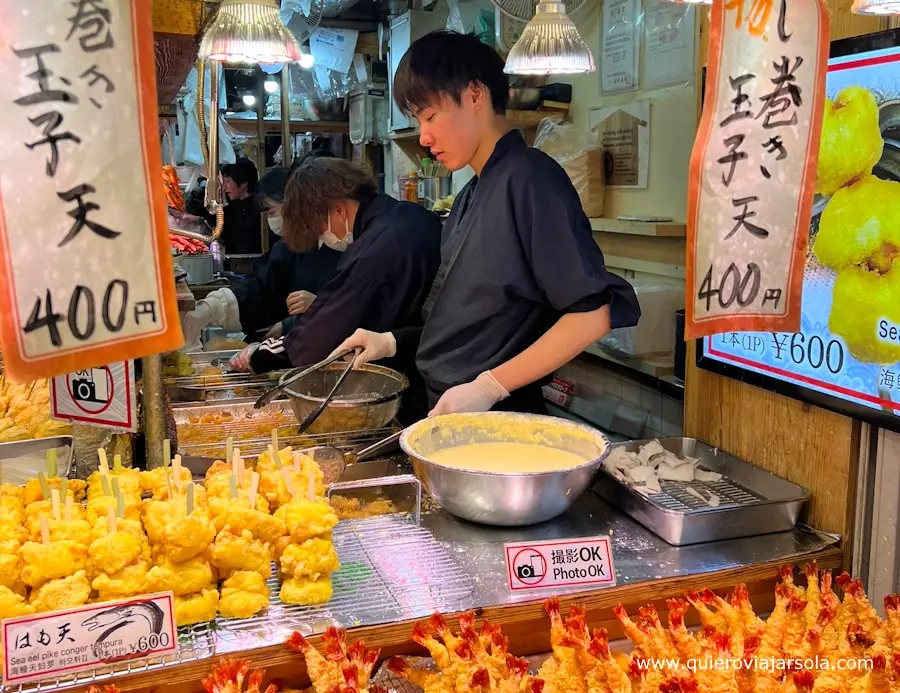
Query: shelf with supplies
<point x="661" y="229"/>
<point x="248" y="126"/>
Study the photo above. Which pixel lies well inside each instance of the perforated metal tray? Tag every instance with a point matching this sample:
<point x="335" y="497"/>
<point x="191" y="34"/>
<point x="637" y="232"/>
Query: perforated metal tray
<point x="752" y="501"/>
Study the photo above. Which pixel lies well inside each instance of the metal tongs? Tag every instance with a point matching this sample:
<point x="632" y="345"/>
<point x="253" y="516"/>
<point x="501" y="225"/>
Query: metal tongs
<point x="270" y="395"/>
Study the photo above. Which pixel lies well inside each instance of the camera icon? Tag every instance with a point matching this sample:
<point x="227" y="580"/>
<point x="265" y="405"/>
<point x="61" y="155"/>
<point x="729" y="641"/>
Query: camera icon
<point x="91" y="386"/>
<point x="530" y="567"/>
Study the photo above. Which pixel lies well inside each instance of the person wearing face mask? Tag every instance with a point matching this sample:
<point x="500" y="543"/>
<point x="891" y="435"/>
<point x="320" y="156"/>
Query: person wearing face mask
<point x="390" y="253"/>
<point x="281" y="283"/>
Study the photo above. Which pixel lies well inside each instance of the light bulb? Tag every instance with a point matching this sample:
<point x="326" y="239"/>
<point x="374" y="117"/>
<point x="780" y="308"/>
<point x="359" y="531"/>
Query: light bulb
<point x="249" y="100"/>
<point x="248" y="31"/>
<point x="271" y="87"/>
<point x="550" y="45"/>
<point x="307" y="60"/>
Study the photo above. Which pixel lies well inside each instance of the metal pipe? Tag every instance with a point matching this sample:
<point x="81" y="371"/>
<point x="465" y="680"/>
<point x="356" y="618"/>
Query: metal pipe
<point x="212" y="181"/>
<point x="191" y="234"/>
<point x="261" y="149"/>
<point x="286" y="144"/>
<point x="154" y="406"/>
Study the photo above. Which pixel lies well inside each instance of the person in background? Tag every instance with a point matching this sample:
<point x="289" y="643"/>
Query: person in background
<point x="390" y="255"/>
<point x="281" y="283"/>
<point x="522" y="288"/>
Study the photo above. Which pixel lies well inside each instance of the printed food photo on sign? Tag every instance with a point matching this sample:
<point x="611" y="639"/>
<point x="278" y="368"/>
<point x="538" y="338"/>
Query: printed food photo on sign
<point x="848" y="345"/>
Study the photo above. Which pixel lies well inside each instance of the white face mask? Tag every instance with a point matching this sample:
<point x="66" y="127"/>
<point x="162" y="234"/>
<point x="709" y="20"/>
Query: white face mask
<point x="335" y="243"/>
<point x="276" y="224"/>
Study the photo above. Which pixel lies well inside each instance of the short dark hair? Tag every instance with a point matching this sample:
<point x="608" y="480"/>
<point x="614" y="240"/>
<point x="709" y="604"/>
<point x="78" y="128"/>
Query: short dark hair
<point x="242" y="171"/>
<point x="447" y="62"/>
<point x="312" y="189"/>
<point x="271" y="187"/>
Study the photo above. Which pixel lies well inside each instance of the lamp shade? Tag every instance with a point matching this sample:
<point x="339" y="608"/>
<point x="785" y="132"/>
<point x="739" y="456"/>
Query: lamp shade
<point x="876" y="7"/>
<point x="249" y="31"/>
<point x="550" y="45"/>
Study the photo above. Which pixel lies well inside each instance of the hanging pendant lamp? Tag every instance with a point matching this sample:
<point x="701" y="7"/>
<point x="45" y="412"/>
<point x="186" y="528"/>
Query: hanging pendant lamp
<point x="249" y="31"/>
<point x="550" y="45"/>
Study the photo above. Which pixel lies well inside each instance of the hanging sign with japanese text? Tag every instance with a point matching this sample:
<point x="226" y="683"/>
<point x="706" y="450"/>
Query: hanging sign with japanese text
<point x="102" y="397"/>
<point x="84" y="253"/>
<point x="753" y="167"/>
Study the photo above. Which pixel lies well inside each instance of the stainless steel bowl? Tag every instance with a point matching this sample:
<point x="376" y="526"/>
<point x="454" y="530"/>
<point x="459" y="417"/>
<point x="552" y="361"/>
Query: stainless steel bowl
<point x="524" y="98"/>
<point x="504" y="499"/>
<point x="369" y="397"/>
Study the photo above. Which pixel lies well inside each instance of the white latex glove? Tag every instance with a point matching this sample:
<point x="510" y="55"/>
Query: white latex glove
<point x="299" y="302"/>
<point x="241" y="360"/>
<point x="193" y="323"/>
<point x="479" y="395"/>
<point x="376" y="346"/>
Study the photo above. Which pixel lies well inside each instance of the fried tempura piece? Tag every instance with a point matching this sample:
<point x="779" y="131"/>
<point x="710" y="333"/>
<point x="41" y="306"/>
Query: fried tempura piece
<point x="311" y="559"/>
<point x="64" y="593"/>
<point x="244" y="594"/>
<point x="129" y="581"/>
<point x="196" y="608"/>
<point x="305" y="591"/>
<point x="193" y="575"/>
<point x="44" y="562"/>
<point x="306" y="519"/>
<point x="13" y="604"/>
<point x="229" y="676"/>
<point x="232" y="553"/>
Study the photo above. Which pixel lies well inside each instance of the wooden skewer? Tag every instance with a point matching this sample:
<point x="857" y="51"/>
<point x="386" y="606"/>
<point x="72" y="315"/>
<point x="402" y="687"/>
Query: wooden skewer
<point x="104" y="482"/>
<point x="276" y="460"/>
<point x="254" y="484"/>
<point x="45" y="487"/>
<point x="167" y="451"/>
<point x="288" y="481"/>
<point x="45" y="530"/>
<point x="176" y="471"/>
<point x="120" y="504"/>
<point x="117" y="463"/>
<point x="54" y="503"/>
<point x="70" y="507"/>
<point x="190" y="497"/>
<point x="168" y="484"/>
<point x="311" y="486"/>
<point x="275" y="439"/>
<point x="229" y="448"/>
<point x="63" y="487"/>
<point x="296" y="463"/>
<point x="104" y="462"/>
<point x="111" y="523"/>
<point x="115" y="487"/>
<point x="52" y="462"/>
<point x="232" y="486"/>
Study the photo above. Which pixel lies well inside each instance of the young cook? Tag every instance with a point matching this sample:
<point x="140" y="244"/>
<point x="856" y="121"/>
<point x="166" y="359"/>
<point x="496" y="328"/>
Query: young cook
<point x="522" y="288"/>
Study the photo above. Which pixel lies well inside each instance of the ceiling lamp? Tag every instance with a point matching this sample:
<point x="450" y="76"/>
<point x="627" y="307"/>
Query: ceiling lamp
<point x="550" y="45"/>
<point x="876" y="7"/>
<point x="249" y="31"/>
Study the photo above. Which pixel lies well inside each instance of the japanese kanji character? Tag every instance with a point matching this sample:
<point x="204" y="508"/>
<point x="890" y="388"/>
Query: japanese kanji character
<point x="742" y="217"/>
<point x="64" y="631"/>
<point x="888" y="377"/>
<point x="732" y="157"/>
<point x="43" y="637"/>
<point x="49" y="122"/>
<point x="42" y="76"/>
<point x="80" y="214"/>
<point x="785" y="93"/>
<point x="557" y="557"/>
<point x="740" y="99"/>
<point x="91" y="20"/>
<point x="144" y="308"/>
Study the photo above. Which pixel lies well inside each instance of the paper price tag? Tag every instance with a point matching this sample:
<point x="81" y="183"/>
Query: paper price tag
<point x="62" y="642"/>
<point x="85" y="267"/>
<point x="537" y="565"/>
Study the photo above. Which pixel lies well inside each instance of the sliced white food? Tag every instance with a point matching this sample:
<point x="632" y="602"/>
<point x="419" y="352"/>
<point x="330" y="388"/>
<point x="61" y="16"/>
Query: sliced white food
<point x="653" y="484"/>
<point x="641" y="474"/>
<point x="673" y="460"/>
<point x="707" y="477"/>
<point x="693" y="461"/>
<point x="611" y="468"/>
<point x="649" y="450"/>
<point x="683" y="473"/>
<point x="623" y="459"/>
<point x="713" y="500"/>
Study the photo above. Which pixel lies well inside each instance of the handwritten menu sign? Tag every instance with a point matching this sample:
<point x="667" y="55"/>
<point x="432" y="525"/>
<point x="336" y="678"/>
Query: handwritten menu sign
<point x="84" y="254"/>
<point x="753" y="166"/>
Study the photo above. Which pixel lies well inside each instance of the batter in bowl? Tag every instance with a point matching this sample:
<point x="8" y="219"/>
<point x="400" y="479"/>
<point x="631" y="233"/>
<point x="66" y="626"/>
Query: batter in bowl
<point x="508" y="458"/>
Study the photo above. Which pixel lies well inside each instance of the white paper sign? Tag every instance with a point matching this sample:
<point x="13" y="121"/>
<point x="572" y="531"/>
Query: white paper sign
<point x="537" y="565"/>
<point x="58" y="643"/>
<point x="333" y="48"/>
<point x="669" y="40"/>
<point x="619" y="46"/>
<point x="103" y="397"/>
<point x="85" y="267"/>
<point x="624" y="133"/>
<point x="753" y="168"/>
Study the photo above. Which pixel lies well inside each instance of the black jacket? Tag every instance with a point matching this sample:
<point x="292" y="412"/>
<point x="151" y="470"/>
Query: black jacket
<point x="381" y="285"/>
<point x="262" y="295"/>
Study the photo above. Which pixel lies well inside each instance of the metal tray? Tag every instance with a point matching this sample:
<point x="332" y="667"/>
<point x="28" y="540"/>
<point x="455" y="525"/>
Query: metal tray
<point x="21" y="460"/>
<point x="753" y="501"/>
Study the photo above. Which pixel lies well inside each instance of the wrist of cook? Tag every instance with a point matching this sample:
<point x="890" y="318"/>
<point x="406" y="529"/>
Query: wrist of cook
<point x="492" y="386"/>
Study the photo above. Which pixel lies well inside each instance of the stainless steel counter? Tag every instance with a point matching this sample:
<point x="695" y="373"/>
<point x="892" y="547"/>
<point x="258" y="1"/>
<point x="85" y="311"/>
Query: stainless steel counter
<point x="638" y="554"/>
